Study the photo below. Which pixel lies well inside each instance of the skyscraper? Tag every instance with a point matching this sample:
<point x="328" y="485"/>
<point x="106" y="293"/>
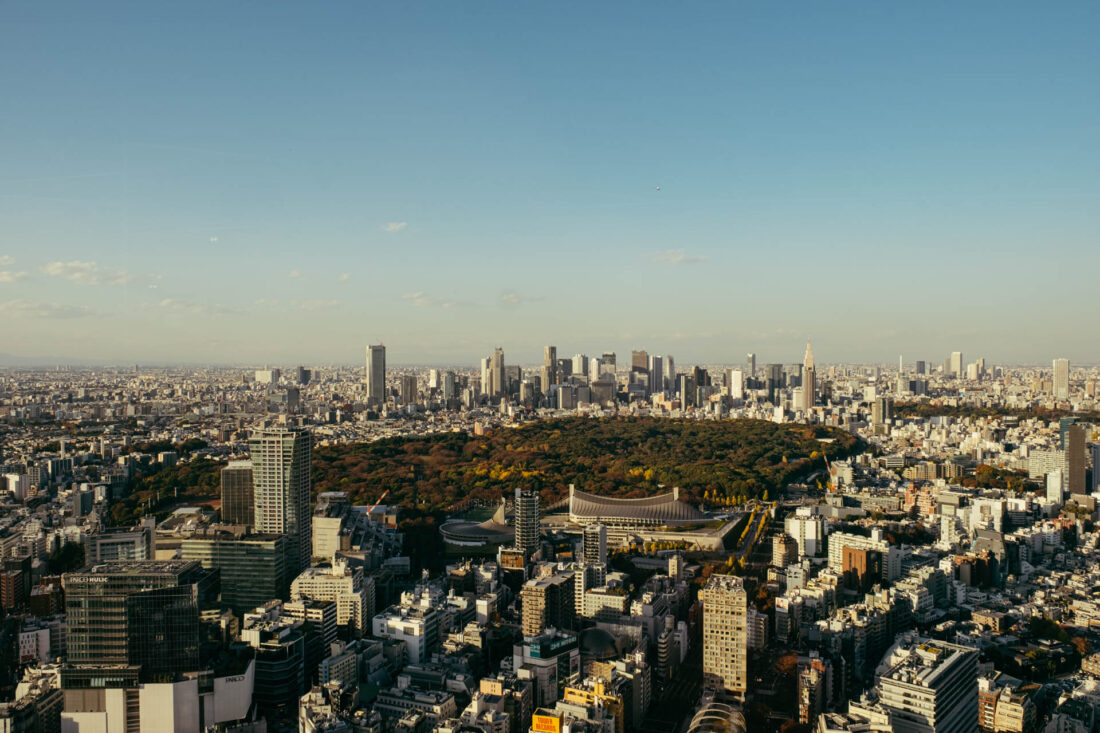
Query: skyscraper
<point x="639" y="361"/>
<point x="281" y="482"/>
<point x="607" y="363"/>
<point x="751" y="365"/>
<point x="809" y="380"/>
<point x="237" y="496"/>
<point x="376" y="375"/>
<point x="580" y="365"/>
<point x="549" y="368"/>
<point x="725" y="640"/>
<point x="527" y="520"/>
<point x="957" y="366"/>
<point x="1075" y="459"/>
<point x="496" y="373"/>
<point x="656" y="373"/>
<point x="1061" y="379"/>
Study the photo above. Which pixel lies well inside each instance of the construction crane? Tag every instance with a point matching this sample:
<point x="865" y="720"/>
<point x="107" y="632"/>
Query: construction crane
<point x="371" y="510"/>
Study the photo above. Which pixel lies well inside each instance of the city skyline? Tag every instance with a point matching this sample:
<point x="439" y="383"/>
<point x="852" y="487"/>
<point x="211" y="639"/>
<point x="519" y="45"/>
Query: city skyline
<point x="738" y="178"/>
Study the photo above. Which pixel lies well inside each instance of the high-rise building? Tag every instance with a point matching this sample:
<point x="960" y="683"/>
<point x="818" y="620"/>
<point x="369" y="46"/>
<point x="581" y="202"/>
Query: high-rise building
<point x="607" y="363"/>
<point x="639" y="361"/>
<point x="656" y="374"/>
<point x="735" y="381"/>
<point x="143" y="613"/>
<point x="594" y="544"/>
<point x="376" y="375"/>
<point x="1075" y="459"/>
<point x="237" y="501"/>
<point x="1061" y="379"/>
<point x="548" y="603"/>
<point x="527" y="521"/>
<point x="930" y="686"/>
<point x="252" y="567"/>
<point x="1095" y="448"/>
<point x="670" y="373"/>
<point x="497" y="384"/>
<point x="921" y="367"/>
<point x="281" y="482"/>
<point x="550" y="375"/>
<point x="304" y="376"/>
<point x="580" y="365"/>
<point x="809" y="380"/>
<point x="751" y="363"/>
<point x="725" y="638"/>
<point x="408" y="389"/>
<point x="957" y="365"/>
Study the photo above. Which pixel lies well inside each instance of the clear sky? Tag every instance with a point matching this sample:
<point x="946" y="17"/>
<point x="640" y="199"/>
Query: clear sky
<point x="248" y="182"/>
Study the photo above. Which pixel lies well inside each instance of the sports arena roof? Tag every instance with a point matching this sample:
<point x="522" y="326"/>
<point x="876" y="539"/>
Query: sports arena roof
<point x="650" y="510"/>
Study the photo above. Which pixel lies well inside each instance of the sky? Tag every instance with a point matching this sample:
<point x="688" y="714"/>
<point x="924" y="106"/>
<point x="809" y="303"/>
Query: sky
<point x="262" y="182"/>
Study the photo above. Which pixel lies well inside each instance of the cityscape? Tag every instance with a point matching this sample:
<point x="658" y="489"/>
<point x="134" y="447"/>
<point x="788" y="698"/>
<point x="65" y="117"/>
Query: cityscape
<point x="516" y="367"/>
<point x="174" y="559"/>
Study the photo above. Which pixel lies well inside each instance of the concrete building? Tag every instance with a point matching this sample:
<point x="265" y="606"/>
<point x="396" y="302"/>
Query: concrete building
<point x="725" y="637"/>
<point x="929" y="686"/>
<point x="344" y="585"/>
<point x="281" y="462"/>
<point x="376" y="375"/>
<point x="237" y="497"/>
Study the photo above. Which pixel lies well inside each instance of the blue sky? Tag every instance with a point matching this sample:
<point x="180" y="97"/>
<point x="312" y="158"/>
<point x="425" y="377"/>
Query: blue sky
<point x="285" y="182"/>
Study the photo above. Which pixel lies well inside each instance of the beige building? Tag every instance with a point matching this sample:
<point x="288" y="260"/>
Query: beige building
<point x="725" y="637"/>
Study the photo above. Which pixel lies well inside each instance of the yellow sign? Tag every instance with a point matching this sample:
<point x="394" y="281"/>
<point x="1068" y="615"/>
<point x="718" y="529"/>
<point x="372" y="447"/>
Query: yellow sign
<point x="546" y="723"/>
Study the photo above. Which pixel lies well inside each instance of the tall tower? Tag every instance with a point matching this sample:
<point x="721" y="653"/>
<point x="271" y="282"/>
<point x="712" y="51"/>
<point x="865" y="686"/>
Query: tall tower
<point x="809" y="380"/>
<point x="376" y="375"/>
<point x="1061" y="379"/>
<point x="527" y="520"/>
<point x="549" y="368"/>
<point x="280" y="470"/>
<point x="751" y="363"/>
<point x="957" y="367"/>
<point x="725" y="637"/>
<point x="496" y="373"/>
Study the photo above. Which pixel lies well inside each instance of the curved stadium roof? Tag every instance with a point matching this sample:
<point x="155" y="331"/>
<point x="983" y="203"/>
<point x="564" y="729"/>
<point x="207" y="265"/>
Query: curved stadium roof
<point x="661" y="509"/>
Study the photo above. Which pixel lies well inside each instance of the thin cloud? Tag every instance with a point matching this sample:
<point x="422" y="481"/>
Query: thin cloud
<point x="391" y="227"/>
<point x="54" y="311"/>
<point x="343" y="277"/>
<point x="86" y="273"/>
<point x="188" y="308"/>
<point x="295" y="273"/>
<point x="6" y="260"/>
<point x="314" y="305"/>
<point x="422" y="300"/>
<point x="675" y="257"/>
<point x="513" y="299"/>
<point x="11" y="276"/>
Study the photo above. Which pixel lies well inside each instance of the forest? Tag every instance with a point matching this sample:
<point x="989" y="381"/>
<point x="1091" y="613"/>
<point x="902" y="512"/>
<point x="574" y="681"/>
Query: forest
<point x="719" y="462"/>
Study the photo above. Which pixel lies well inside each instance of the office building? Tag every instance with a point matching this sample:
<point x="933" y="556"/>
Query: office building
<point x="252" y="567"/>
<point x="1075" y="459"/>
<point x="497" y="383"/>
<point x="345" y="586"/>
<point x="656" y="374"/>
<point x="237" y="496"/>
<point x="809" y="381"/>
<point x="750" y="363"/>
<point x="725" y="638"/>
<point x="580" y="365"/>
<point x="549" y="375"/>
<point x="956" y="366"/>
<point x="1061" y="379"/>
<point x="281" y="474"/>
<point x="594" y="544"/>
<point x="409" y="391"/>
<point x="527" y="521"/>
<point x="929" y="686"/>
<point x="921" y="367"/>
<point x="123" y="543"/>
<point x="376" y="375"/>
<point x="143" y="613"/>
